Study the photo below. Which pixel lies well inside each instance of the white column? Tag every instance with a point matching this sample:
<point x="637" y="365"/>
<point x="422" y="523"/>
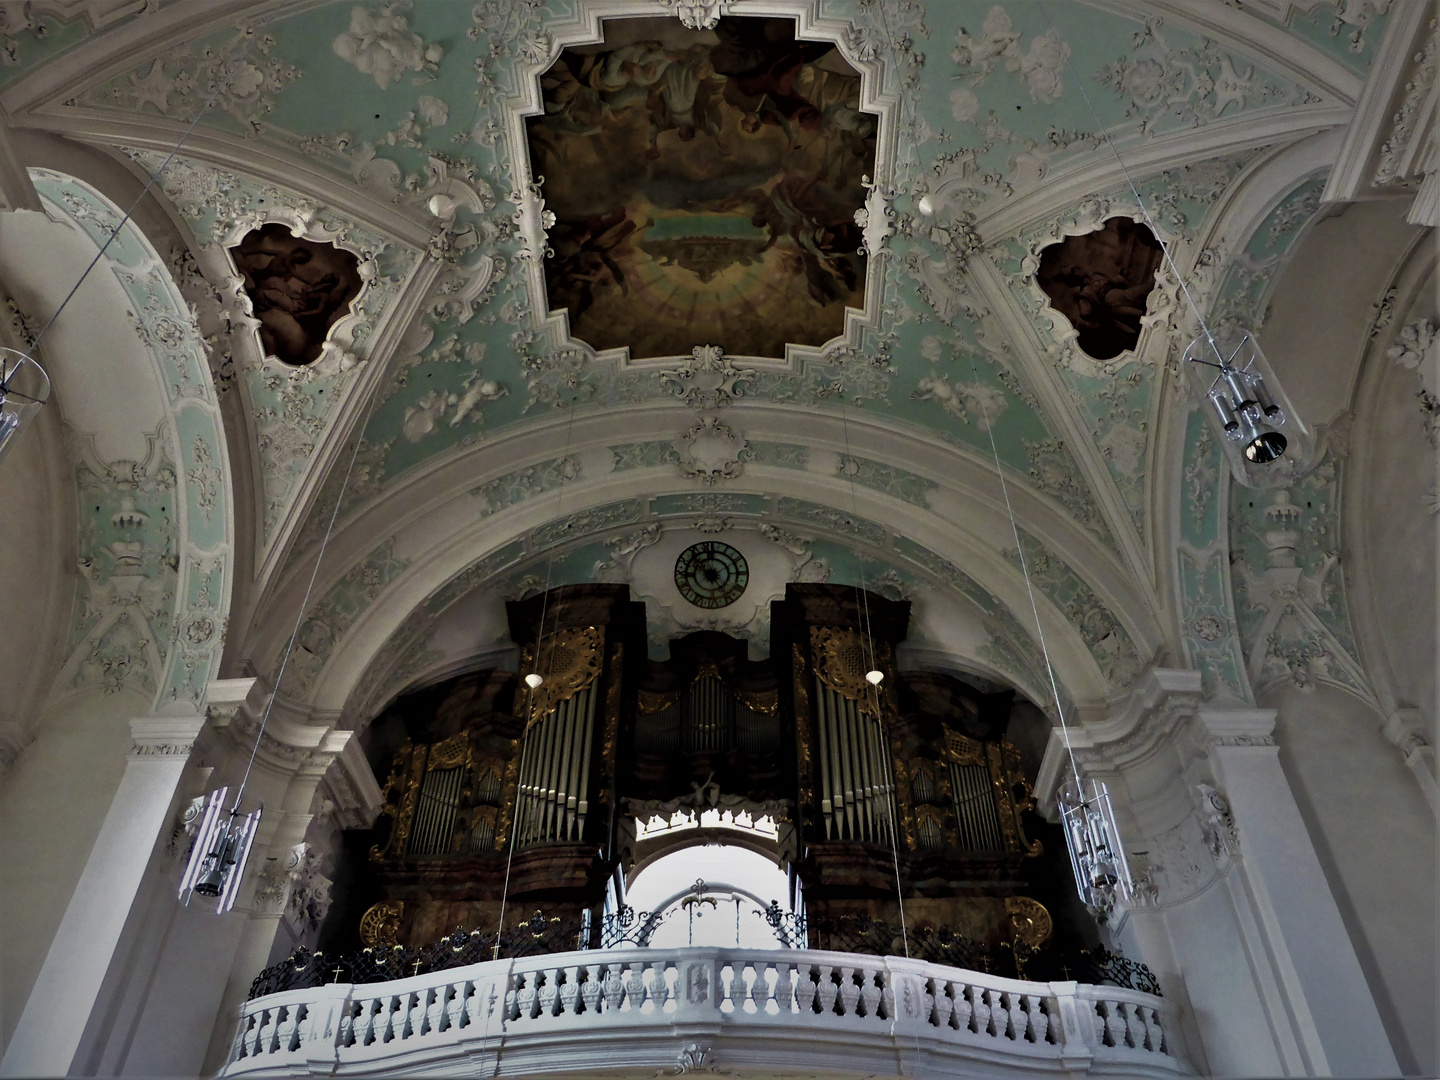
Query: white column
<point x="69" y="982"/>
<point x="1330" y="1004"/>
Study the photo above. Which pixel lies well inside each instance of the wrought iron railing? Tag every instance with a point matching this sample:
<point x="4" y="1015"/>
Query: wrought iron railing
<point x="849" y="934"/>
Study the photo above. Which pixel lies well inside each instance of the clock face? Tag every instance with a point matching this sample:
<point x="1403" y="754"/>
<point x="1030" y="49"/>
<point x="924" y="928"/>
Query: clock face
<point x="711" y="574"/>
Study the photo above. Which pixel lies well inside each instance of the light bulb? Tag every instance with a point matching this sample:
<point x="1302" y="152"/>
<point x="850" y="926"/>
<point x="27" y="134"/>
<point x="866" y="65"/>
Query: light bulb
<point x="874" y="678"/>
<point x="533" y="680"/>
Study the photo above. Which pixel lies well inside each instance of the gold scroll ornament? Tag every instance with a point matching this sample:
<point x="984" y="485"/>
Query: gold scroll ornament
<point x="842" y="659"/>
<point x="1029" y="919"/>
<point x="569" y="661"/>
<point x="380" y="925"/>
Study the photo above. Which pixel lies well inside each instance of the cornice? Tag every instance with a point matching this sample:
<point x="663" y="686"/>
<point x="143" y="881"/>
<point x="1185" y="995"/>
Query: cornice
<point x="1393" y="62"/>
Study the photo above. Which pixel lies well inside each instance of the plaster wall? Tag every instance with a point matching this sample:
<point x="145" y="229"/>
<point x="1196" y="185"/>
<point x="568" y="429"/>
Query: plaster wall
<point x="1207" y="942"/>
<point x="1397" y="535"/>
<point x="1320" y="315"/>
<point x="1375" y="837"/>
<point x="37" y="557"/>
<point x="52" y="804"/>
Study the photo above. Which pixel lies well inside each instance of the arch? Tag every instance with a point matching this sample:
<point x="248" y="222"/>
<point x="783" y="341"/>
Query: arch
<point x="420" y="536"/>
<point x="174" y="565"/>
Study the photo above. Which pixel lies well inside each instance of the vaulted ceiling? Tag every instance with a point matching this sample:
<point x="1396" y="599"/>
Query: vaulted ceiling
<point x="469" y="449"/>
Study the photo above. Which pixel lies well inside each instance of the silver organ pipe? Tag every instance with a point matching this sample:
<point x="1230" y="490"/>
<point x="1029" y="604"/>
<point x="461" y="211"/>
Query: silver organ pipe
<point x="857" y="796"/>
<point x="554" y="772"/>
<point x="976" y="814"/>
<point x="436" y="811"/>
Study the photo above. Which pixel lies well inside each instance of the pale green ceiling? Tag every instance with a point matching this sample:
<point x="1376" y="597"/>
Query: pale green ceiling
<point x="992" y="99"/>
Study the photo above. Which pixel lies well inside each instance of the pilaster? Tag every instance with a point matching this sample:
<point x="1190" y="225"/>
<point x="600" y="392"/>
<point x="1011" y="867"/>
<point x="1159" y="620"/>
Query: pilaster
<point x="48" y="1036"/>
<point x="1251" y="815"/>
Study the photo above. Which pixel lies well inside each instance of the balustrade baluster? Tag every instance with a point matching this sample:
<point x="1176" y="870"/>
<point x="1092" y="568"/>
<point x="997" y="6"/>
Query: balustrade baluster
<point x="1039" y="1018"/>
<point x="635" y="987"/>
<point x="432" y="1017"/>
<point x="869" y="993"/>
<point x="980" y="1011"/>
<point x="269" y="1029"/>
<point x="849" y="991"/>
<point x="301" y="1031"/>
<point x="1014" y="1028"/>
<point x="591" y="988"/>
<point x="826" y="989"/>
<point x="345" y="1029"/>
<point x="1154" y="1030"/>
<point x="805" y="988"/>
<point x="614" y="988"/>
<point x="760" y="988"/>
<point x="659" y="985"/>
<point x="938" y="1004"/>
<point x="962" y="1009"/>
<point x="365" y="1021"/>
<point x="569" y="990"/>
<point x="784" y="989"/>
<point x="455" y="1004"/>
<point x="887" y="995"/>
<point x="1112" y="1026"/>
<point x="250" y="1037"/>
<point x="549" y="992"/>
<point x="1134" y="1025"/>
<point x="737" y="990"/>
<point x="529" y="997"/>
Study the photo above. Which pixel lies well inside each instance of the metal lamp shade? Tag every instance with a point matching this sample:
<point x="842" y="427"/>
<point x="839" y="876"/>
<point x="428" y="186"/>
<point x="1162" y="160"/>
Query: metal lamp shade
<point x="1246" y="407"/>
<point x="24" y="389"/>
<point x="222" y="847"/>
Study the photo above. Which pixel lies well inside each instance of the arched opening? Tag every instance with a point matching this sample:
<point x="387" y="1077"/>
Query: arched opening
<point x="713" y="894"/>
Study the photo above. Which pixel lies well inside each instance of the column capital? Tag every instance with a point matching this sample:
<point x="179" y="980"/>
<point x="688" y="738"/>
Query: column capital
<point x="1244" y="727"/>
<point x="1138" y="726"/>
<point x="164" y="736"/>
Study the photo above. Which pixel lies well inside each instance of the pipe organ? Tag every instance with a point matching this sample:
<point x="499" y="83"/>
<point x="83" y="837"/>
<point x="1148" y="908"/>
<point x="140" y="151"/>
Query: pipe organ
<point x="911" y="779"/>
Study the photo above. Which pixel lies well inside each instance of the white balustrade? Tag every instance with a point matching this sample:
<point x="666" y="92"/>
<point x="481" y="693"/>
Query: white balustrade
<point x="642" y="1011"/>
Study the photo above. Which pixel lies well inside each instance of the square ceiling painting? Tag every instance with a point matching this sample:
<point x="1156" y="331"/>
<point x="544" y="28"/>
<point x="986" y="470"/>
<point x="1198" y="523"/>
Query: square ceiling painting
<point x="704" y="184"/>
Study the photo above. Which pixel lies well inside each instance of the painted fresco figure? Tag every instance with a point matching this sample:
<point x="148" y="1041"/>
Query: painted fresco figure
<point x="298" y="289"/>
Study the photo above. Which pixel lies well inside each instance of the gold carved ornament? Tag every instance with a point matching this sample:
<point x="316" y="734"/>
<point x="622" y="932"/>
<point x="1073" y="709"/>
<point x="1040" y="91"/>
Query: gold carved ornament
<point x="802" y="727"/>
<point x="842" y="661"/>
<point x="507" y="797"/>
<point x="649" y="702"/>
<point x="1002" y="759"/>
<point x="569" y="661"/>
<point x="612" y="722"/>
<point x="451" y="753"/>
<point x="1029" y="920"/>
<point x="380" y="925"/>
<point x="1031" y="925"/>
<point x="761" y="701"/>
<point x="403" y="790"/>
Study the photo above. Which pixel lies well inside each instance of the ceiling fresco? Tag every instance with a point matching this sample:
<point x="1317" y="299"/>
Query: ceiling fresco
<point x="905" y="214"/>
<point x="704" y="185"/>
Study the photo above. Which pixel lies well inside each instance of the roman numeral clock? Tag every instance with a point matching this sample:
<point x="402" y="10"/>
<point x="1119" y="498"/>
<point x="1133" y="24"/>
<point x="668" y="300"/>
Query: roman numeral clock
<point x="711" y="574"/>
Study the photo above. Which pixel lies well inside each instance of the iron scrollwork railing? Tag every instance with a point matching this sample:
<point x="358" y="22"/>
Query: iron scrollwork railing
<point x="381" y="963"/>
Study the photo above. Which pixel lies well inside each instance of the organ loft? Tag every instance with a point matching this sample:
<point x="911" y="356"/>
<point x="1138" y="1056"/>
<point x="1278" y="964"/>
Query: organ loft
<point x="869" y="796"/>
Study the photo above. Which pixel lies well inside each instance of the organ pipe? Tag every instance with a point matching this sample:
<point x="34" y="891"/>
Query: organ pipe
<point x="857" y="788"/>
<point x="555" y="772"/>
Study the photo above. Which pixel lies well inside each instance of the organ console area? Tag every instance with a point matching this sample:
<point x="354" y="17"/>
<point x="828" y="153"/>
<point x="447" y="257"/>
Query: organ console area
<point x="548" y="798"/>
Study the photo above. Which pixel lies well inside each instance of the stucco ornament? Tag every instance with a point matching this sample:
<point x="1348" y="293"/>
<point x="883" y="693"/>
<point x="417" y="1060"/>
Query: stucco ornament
<point x="1290" y="601"/>
<point x="708" y="380"/>
<point x="711" y="451"/>
<point x="697" y="14"/>
<point x="382" y="45"/>
<point x="962" y="400"/>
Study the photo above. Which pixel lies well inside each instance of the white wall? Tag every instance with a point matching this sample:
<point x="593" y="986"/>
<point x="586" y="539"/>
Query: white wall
<point x="1375" y="836"/>
<point x="52" y="803"/>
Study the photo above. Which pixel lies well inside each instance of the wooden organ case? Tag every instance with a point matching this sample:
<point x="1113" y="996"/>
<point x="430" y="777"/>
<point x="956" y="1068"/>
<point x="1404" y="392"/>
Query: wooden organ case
<point x="911" y="780"/>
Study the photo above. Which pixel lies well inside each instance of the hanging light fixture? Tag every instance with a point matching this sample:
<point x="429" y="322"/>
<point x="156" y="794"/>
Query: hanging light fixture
<point x="1102" y="873"/>
<point x="534" y="680"/>
<point x="1246" y="406"/>
<point x="875" y="677"/>
<point x="222" y="845"/>
<point x="24" y="389"/>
